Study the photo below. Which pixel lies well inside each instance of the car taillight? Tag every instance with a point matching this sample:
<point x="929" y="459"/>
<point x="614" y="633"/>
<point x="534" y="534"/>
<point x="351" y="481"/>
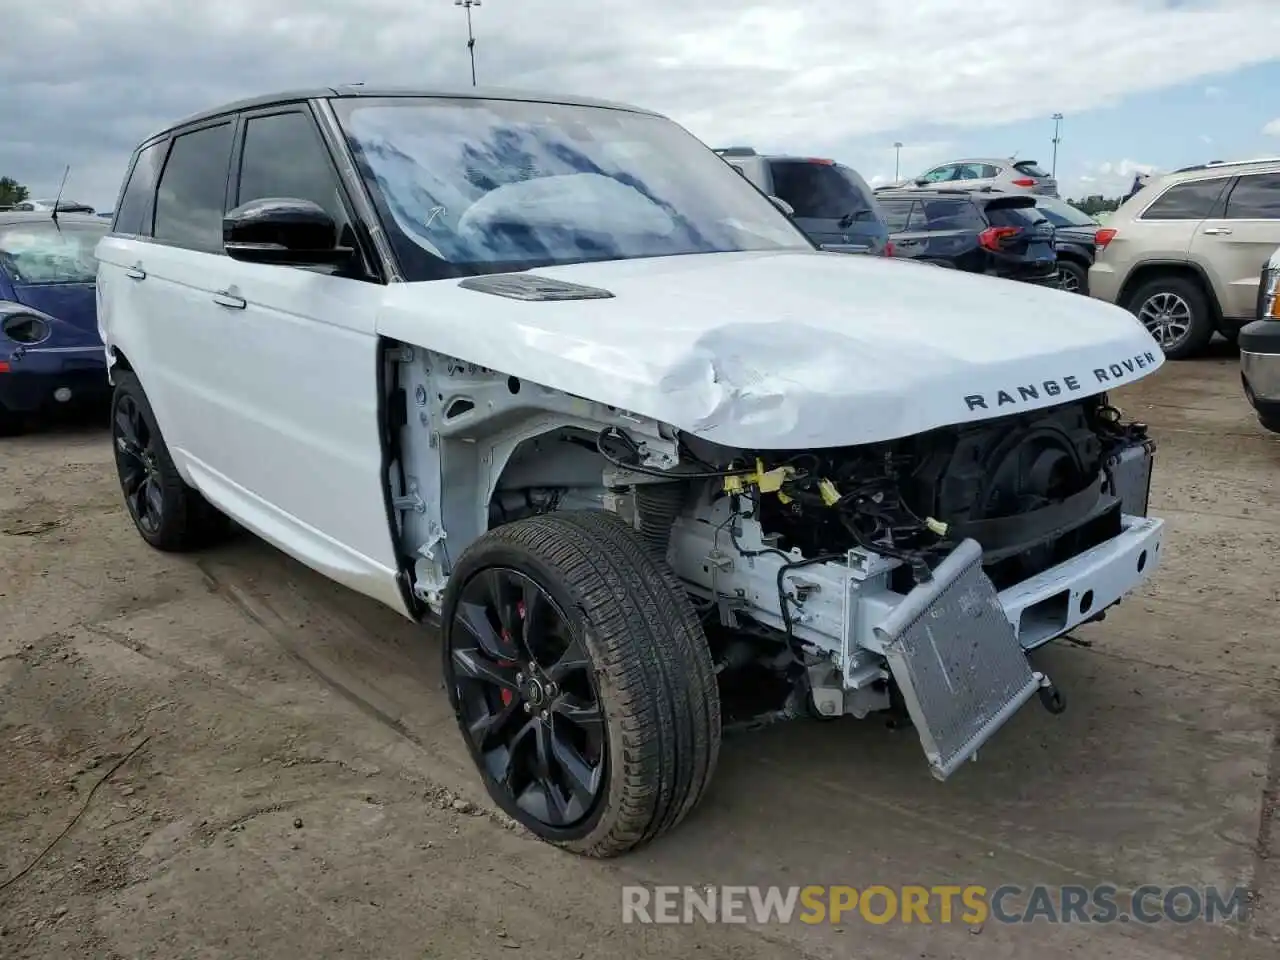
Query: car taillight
<point x="4" y="366"/>
<point x="1103" y="237"/>
<point x="1024" y="182"/>
<point x="889" y="249"/>
<point x="990" y="238"/>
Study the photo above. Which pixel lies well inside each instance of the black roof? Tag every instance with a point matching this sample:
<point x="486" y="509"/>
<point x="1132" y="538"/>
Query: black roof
<point x="10" y="217"/>
<point x="351" y="90"/>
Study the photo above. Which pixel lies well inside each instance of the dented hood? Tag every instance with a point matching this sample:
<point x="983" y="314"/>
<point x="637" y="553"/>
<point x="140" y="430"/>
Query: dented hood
<point x="789" y="349"/>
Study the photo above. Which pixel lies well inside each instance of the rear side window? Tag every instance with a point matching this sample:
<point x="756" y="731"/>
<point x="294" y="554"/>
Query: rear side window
<point x="1030" y="168"/>
<point x="1186" y="201"/>
<point x="1255" y="197"/>
<point x="896" y="214"/>
<point x="193" y="190"/>
<point x="950" y="215"/>
<point x="822" y="191"/>
<point x="131" y="215"/>
<point x="285" y="157"/>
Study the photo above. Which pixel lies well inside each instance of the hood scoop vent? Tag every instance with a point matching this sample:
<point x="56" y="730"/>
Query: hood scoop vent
<point x="530" y="286"/>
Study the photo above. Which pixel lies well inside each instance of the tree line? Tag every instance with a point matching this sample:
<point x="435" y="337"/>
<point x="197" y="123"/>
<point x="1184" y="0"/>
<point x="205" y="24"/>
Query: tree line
<point x="11" y="192"/>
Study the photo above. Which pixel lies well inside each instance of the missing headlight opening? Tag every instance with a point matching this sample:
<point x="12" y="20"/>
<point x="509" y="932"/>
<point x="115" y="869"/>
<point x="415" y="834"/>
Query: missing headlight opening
<point x="26" y="329"/>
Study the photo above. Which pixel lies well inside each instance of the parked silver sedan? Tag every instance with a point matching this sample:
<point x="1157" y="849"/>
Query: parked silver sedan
<point x="1007" y="175"/>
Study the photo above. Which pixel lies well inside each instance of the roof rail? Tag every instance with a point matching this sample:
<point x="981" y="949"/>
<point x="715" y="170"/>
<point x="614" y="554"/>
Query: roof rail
<point x="1227" y="163"/>
<point x="736" y="152"/>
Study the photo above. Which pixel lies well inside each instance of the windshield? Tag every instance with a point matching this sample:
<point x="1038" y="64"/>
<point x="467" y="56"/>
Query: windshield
<point x="43" y="251"/>
<point x="1062" y="214"/>
<point x="481" y="186"/>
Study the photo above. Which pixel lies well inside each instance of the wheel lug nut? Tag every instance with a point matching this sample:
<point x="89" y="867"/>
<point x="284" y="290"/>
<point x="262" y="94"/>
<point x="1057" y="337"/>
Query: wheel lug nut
<point x="519" y="678"/>
<point x="528" y="708"/>
<point x="545" y="715"/>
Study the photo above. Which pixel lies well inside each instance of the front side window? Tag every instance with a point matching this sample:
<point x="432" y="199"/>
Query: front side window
<point x="193" y="190"/>
<point x="1256" y="197"/>
<point x="822" y="191"/>
<point x="131" y="215"/>
<point x="1186" y="201"/>
<point x="479" y="186"/>
<point x="938" y="174"/>
<point x="285" y="157"/>
<point x="47" y="252"/>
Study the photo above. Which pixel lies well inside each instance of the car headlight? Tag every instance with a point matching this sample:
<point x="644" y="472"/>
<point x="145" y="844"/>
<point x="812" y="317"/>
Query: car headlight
<point x="26" y="328"/>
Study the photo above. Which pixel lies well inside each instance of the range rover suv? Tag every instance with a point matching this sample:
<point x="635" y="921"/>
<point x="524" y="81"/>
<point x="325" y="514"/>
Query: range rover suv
<point x="547" y="373"/>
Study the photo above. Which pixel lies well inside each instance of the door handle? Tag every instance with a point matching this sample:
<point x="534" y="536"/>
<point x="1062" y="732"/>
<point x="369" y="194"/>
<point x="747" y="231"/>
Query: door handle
<point x="231" y="302"/>
<point x="136" y="273"/>
<point x="1218" y="231"/>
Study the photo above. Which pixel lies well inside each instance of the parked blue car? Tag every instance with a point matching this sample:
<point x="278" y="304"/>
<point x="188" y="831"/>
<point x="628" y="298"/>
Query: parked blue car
<point x="50" y="349"/>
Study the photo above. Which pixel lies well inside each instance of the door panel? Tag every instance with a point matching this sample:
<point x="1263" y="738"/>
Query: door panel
<point x="177" y="274"/>
<point x="297" y="377"/>
<point x="1235" y="244"/>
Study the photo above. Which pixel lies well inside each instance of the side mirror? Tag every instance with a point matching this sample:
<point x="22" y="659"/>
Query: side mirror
<point x="920" y="182"/>
<point x="284" y="231"/>
<point x="782" y="205"/>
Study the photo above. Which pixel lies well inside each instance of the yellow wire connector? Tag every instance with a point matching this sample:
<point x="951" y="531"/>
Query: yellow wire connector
<point x="936" y="526"/>
<point x="830" y="495"/>
<point x="768" y="481"/>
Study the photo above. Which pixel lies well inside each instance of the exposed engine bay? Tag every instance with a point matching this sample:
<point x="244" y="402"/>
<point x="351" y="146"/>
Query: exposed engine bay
<point x="909" y="576"/>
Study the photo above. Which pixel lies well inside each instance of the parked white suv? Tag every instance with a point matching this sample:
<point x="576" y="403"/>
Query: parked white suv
<point x="550" y="371"/>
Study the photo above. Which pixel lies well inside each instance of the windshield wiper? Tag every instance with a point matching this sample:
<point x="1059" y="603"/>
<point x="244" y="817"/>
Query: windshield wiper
<point x="850" y="218"/>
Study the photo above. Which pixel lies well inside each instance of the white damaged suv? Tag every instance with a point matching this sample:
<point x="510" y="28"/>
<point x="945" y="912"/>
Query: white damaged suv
<point x="549" y="372"/>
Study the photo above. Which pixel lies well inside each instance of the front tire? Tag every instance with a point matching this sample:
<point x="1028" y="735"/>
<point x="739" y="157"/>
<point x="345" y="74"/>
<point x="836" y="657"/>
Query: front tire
<point x="1176" y="312"/>
<point x="168" y="513"/>
<point x="581" y="681"/>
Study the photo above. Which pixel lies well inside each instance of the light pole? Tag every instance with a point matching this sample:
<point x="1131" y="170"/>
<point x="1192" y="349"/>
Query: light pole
<point x="1057" y="119"/>
<point x="471" y="39"/>
<point x="897" y="155"/>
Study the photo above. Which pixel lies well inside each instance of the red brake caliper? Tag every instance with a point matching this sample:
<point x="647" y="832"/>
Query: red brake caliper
<point x="507" y="696"/>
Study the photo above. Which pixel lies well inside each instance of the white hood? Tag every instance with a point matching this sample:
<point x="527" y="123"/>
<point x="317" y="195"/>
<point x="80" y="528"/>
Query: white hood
<point x="787" y="350"/>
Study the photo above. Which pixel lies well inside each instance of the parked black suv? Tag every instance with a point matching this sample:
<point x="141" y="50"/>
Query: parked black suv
<point x="976" y="231"/>
<point x="1075" y="240"/>
<point x="830" y="202"/>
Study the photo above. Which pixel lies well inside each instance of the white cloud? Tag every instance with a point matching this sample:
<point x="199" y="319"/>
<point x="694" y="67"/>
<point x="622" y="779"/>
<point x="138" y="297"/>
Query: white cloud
<point x="1213" y="92"/>
<point x="1272" y="129"/>
<point x="1205" y="138"/>
<point x="818" y="77"/>
<point x="1110" y="178"/>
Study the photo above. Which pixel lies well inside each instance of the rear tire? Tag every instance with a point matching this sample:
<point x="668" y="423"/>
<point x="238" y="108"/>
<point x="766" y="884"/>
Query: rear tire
<point x="644" y="669"/>
<point x="168" y="513"/>
<point x="1189" y="326"/>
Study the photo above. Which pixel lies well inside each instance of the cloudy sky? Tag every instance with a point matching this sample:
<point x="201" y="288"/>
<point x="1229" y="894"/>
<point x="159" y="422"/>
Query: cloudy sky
<point x="1143" y="83"/>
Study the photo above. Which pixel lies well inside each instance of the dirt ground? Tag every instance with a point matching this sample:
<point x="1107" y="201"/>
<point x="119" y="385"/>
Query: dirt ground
<point x="286" y="781"/>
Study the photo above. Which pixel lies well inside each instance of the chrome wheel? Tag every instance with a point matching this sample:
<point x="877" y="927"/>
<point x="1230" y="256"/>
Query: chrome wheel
<point x="136" y="462"/>
<point x="1167" y="317"/>
<point x="1069" y="281"/>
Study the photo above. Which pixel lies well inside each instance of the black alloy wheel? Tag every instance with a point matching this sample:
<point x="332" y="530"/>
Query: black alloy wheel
<point x="527" y="698"/>
<point x="137" y="463"/>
